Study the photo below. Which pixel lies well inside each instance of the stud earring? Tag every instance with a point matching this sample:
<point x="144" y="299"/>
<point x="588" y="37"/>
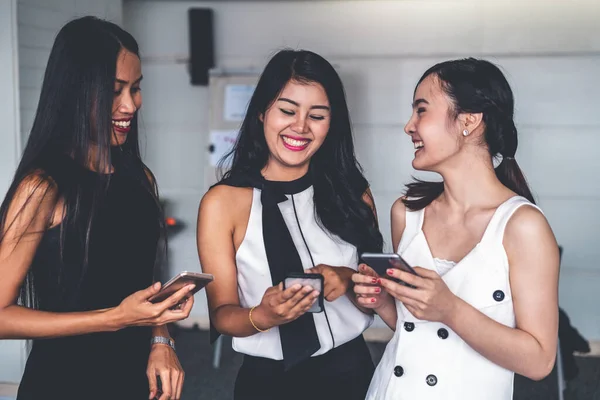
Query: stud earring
<point x="465" y="133"/>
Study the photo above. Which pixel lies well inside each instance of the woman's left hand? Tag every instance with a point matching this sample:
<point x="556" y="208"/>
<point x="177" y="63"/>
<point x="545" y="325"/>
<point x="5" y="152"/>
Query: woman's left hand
<point x="431" y="300"/>
<point x="338" y="280"/>
<point x="163" y="362"/>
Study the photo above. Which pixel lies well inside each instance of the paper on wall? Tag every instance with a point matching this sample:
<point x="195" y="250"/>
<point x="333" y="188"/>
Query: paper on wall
<point x="237" y="97"/>
<point x="221" y="142"/>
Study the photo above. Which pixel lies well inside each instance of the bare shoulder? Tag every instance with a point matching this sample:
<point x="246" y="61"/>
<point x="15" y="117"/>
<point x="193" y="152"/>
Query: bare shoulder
<point x="398" y="220"/>
<point x="529" y="229"/>
<point x="35" y="188"/>
<point x="398" y="212"/>
<point x="526" y="221"/>
<point x="32" y="204"/>
<point x="223" y="216"/>
<point x="223" y="196"/>
<point x="223" y="200"/>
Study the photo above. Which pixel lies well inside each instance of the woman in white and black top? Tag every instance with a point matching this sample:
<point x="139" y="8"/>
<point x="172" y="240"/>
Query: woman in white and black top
<point x="294" y="200"/>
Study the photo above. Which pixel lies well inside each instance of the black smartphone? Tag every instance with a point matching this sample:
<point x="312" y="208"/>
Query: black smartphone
<point x="314" y="280"/>
<point x="380" y="262"/>
<point x="179" y="281"/>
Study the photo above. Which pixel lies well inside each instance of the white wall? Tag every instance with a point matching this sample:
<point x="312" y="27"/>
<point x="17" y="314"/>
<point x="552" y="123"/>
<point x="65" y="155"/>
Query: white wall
<point x="27" y="31"/>
<point x="549" y="50"/>
<point x="39" y="22"/>
<point x="11" y="351"/>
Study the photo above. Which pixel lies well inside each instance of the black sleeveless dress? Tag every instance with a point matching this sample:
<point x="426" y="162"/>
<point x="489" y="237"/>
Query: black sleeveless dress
<point x="123" y="241"/>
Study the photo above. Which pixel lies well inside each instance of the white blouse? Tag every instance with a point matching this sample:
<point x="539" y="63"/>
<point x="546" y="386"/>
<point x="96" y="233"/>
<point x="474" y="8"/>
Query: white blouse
<point x="347" y="322"/>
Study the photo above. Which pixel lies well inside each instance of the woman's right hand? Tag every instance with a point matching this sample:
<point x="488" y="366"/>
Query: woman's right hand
<point x="136" y="310"/>
<point x="279" y="306"/>
<point x="369" y="293"/>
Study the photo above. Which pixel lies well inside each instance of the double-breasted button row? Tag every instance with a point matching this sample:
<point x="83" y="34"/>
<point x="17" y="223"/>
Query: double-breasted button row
<point x="431" y="379"/>
<point x="442" y="332"/>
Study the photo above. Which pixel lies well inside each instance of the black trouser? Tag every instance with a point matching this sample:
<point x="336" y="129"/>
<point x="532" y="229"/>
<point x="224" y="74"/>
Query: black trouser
<point x="342" y="373"/>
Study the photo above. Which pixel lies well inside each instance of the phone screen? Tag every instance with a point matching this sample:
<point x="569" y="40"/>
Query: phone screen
<point x="313" y="280"/>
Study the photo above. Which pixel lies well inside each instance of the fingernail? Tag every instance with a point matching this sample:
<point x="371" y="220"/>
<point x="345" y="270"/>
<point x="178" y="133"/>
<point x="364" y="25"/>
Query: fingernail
<point x="377" y="290"/>
<point x="372" y="299"/>
<point x="378" y="281"/>
<point x="390" y="272"/>
<point x="156" y="285"/>
<point x="375" y="280"/>
<point x="191" y="287"/>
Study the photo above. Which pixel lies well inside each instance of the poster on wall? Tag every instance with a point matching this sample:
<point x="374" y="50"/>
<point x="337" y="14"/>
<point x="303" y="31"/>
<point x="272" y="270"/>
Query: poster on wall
<point x="221" y="142"/>
<point x="237" y="97"/>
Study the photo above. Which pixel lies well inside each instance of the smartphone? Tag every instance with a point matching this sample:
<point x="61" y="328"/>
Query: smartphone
<point x="380" y="262"/>
<point x="314" y="280"/>
<point x="179" y="281"/>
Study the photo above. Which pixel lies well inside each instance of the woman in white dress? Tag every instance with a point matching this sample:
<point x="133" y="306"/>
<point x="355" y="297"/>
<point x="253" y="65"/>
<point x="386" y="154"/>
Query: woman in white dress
<point x="486" y="299"/>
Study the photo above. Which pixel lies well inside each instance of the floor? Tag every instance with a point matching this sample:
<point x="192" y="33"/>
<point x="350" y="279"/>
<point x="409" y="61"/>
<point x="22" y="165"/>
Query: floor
<point x="203" y="382"/>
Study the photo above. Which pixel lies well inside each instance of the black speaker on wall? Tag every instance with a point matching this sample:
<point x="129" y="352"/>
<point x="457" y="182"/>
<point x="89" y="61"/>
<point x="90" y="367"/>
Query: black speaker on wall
<point x="202" y="57"/>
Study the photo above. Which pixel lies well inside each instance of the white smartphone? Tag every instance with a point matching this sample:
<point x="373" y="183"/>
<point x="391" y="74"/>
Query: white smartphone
<point x="179" y="281"/>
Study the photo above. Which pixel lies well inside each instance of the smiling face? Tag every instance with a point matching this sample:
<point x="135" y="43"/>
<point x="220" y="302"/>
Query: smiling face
<point x="296" y="125"/>
<point x="128" y="97"/>
<point x="433" y="130"/>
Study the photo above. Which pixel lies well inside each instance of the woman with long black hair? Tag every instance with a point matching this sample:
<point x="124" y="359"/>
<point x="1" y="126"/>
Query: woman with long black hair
<point x="79" y="232"/>
<point x="294" y="200"/>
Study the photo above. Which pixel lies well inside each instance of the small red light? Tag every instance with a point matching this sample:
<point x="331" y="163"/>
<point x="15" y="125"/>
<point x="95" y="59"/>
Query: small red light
<point x="171" y="221"/>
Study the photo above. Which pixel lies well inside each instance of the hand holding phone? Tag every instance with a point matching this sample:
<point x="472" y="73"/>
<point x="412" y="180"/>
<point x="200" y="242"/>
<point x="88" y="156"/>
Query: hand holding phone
<point x="282" y="304"/>
<point x="368" y="289"/>
<point x="315" y="281"/>
<point x="380" y="262"/>
<point x="137" y="310"/>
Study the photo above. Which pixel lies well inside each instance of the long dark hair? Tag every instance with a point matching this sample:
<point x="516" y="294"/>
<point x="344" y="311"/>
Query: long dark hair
<point x="338" y="181"/>
<point x="74" y="118"/>
<point x="477" y="86"/>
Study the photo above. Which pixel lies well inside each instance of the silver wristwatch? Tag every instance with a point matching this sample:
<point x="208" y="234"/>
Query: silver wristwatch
<point x="163" y="340"/>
